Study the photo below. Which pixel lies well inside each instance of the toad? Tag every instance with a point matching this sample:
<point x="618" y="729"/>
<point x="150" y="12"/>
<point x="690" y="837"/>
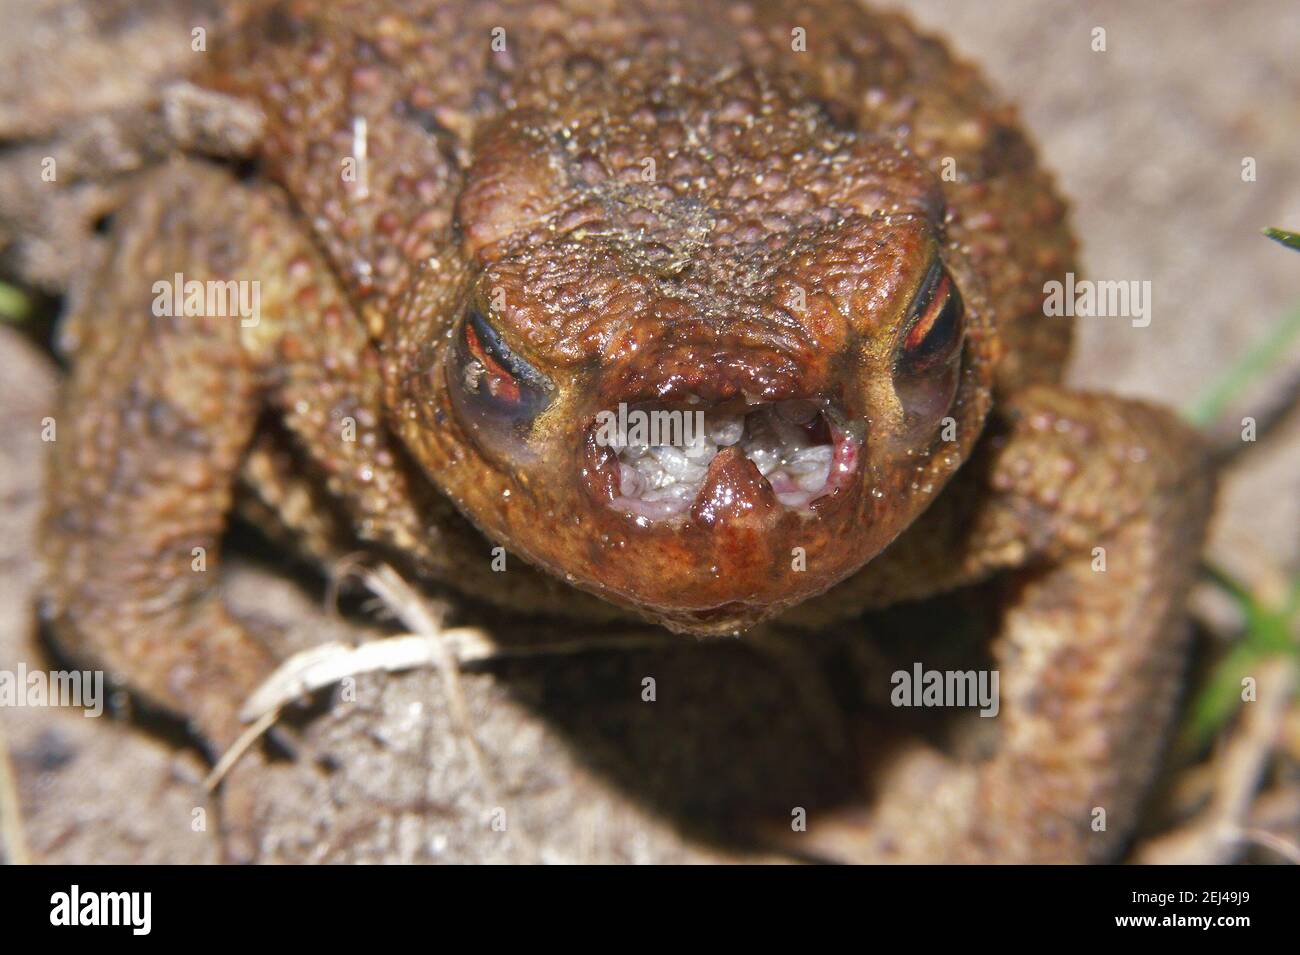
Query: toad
<point x="468" y="236"/>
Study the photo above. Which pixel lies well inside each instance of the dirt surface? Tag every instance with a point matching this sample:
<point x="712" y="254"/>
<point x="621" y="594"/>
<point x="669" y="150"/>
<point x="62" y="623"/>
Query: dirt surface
<point x="1148" y="139"/>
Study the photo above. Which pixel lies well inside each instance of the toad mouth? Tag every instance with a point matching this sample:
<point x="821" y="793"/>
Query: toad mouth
<point x="802" y="449"/>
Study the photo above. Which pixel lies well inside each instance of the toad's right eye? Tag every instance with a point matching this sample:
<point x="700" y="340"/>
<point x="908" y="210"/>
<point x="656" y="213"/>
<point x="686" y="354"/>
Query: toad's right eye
<point x="496" y="393"/>
<point x="934" y="336"/>
<point x="928" y="361"/>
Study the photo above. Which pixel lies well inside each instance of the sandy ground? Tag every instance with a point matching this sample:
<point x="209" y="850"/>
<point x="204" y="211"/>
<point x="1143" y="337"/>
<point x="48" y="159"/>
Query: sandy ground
<point x="1148" y="140"/>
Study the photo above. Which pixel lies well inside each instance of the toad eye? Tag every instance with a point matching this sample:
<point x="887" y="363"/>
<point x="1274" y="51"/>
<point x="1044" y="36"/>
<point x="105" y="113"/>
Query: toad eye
<point x="925" y="369"/>
<point x="936" y="327"/>
<point x="495" y="393"/>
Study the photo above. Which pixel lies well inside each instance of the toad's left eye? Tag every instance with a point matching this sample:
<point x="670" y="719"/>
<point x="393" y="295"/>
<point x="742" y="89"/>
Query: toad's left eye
<point x="936" y="328"/>
<point x="496" y="393"/>
<point x="928" y="359"/>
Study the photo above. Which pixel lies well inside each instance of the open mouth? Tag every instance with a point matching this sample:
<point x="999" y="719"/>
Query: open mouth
<point x="800" y="447"/>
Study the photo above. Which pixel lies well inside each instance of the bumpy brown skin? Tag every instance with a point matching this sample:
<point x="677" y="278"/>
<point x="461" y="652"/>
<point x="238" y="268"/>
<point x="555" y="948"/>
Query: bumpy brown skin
<point x="793" y="204"/>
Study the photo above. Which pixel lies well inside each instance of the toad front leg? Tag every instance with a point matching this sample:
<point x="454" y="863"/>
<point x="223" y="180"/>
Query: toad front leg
<point x="151" y="432"/>
<point x="1101" y="505"/>
<point x="154" y="427"/>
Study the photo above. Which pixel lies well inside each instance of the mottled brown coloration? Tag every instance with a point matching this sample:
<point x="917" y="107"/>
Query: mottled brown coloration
<point x="643" y="201"/>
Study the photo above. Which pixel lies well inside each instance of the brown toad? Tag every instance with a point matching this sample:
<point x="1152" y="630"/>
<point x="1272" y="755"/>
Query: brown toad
<point x="472" y="235"/>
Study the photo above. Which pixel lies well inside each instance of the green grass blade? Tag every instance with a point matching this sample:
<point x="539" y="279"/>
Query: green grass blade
<point x="14" y="305"/>
<point x="1290" y="239"/>
<point x="1258" y="359"/>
